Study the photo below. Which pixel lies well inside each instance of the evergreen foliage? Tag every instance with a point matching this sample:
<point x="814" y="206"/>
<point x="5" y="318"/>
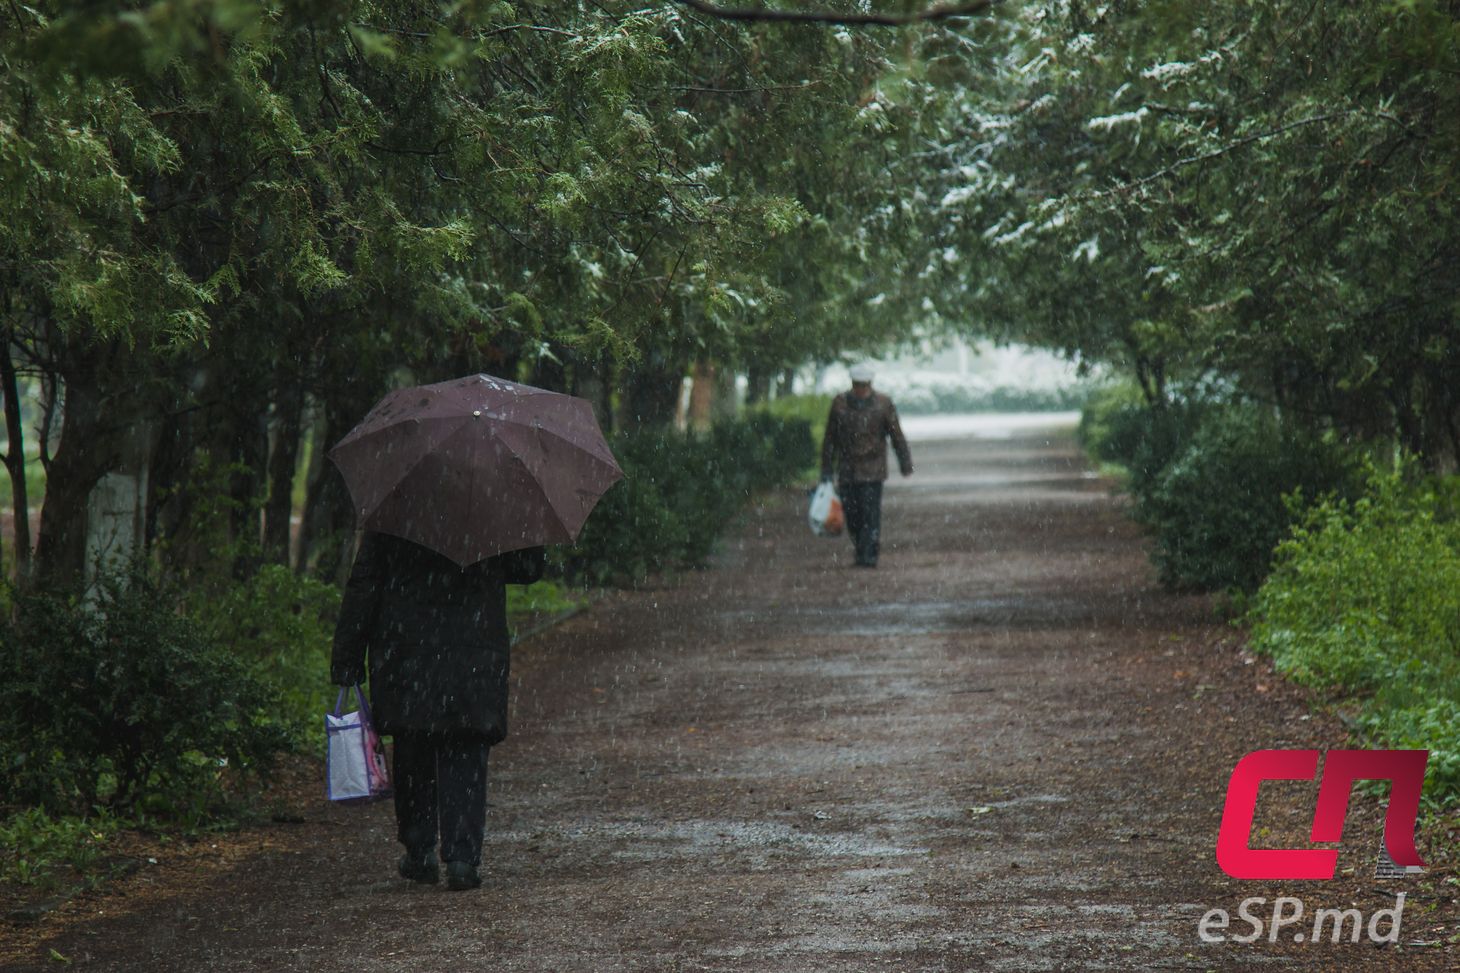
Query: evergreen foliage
<point x="1259" y="192"/>
<point x="228" y="226"/>
<point x="124" y="703"/>
<point x="1223" y="503"/>
<point x="1364" y="601"/>
<point x="680" y="491"/>
<point x="1217" y="482"/>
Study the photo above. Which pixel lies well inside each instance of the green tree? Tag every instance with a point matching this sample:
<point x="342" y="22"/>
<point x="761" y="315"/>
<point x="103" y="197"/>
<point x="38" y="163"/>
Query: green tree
<point x="1255" y="191"/>
<point x="230" y="225"/>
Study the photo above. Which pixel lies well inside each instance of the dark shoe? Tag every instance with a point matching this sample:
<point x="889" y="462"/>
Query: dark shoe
<point x="461" y="876"/>
<point x="420" y="868"/>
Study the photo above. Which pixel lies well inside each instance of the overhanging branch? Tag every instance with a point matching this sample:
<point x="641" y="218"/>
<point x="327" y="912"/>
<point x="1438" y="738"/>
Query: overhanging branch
<point x="744" y="91"/>
<point x="939" y="11"/>
<point x="1245" y="141"/>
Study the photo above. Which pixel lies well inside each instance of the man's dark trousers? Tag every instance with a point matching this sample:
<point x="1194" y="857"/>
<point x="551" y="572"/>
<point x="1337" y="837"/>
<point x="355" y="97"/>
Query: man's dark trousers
<point x="440" y="776"/>
<point x="862" y="504"/>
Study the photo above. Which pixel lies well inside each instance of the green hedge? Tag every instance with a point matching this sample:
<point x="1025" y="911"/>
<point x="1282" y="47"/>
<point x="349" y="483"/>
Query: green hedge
<point x="1218" y="483"/>
<point x="1118" y="426"/>
<point x="280" y="626"/>
<point x="125" y="703"/>
<point x="679" y="492"/>
<point x="1223" y="503"/>
<point x="1364" y="599"/>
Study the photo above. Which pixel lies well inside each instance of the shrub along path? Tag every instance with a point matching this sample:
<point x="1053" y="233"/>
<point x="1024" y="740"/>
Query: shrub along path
<point x="1005" y="749"/>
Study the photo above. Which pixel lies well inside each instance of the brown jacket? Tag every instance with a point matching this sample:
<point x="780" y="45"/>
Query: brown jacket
<point x="855" y="446"/>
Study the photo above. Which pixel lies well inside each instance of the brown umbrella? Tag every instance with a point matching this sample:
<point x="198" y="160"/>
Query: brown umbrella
<point x="476" y="466"/>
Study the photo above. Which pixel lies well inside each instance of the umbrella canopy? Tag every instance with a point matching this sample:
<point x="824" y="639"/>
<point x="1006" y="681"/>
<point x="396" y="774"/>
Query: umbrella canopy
<point x="476" y="466"/>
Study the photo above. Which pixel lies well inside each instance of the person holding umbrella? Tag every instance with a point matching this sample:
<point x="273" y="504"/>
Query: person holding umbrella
<point x="457" y="487"/>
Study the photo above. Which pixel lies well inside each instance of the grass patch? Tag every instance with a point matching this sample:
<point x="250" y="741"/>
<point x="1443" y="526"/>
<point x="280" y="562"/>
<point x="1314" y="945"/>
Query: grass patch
<point x="47" y="852"/>
<point x="543" y="599"/>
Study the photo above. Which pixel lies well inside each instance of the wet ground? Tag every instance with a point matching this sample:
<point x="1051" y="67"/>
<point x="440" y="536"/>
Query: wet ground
<point x="1004" y="749"/>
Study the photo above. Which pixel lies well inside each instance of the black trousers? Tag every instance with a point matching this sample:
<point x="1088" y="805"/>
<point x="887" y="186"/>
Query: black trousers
<point x="441" y="779"/>
<point x="862" y="504"/>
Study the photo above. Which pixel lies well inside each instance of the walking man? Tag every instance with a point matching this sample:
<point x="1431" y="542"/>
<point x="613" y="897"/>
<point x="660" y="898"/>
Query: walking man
<point x="860" y="423"/>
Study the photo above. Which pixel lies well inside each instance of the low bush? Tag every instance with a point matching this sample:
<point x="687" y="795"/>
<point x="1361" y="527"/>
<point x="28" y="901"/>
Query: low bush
<point x="811" y="409"/>
<point x="281" y="626"/>
<point x="1220" y="506"/>
<point x="759" y="451"/>
<point x="1217" y="482"/>
<point x="123" y="702"/>
<point x="1364" y="600"/>
<point x="1093" y="431"/>
<point x="803" y="411"/>
<point x="633" y="531"/>
<point x="540" y="599"/>
<point x="1119" y="426"/>
<point x="680" y="491"/>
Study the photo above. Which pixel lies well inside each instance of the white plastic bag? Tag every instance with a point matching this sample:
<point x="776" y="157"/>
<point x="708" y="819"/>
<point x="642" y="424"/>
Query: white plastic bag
<point x="355" y="761"/>
<point x="825" y="515"/>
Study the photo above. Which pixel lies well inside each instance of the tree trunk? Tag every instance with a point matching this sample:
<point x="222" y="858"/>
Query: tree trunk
<point x="117" y="509"/>
<point x="1151" y="375"/>
<point x="1408" y="428"/>
<point x="726" y="402"/>
<point x="190" y="520"/>
<point x="15" y="462"/>
<point x="1442" y="437"/>
<point x="327" y="535"/>
<point x="550" y="371"/>
<point x="74" y="470"/>
<point x="248" y="451"/>
<point x="283" y="460"/>
<point x="314" y="470"/>
<point x="310" y="516"/>
<point x="106" y="428"/>
<point x="651" y="393"/>
<point x="1451" y="422"/>
<point x="166" y="497"/>
<point x="589" y="383"/>
<point x="758" y="386"/>
<point x="702" y="396"/>
<point x="327" y="531"/>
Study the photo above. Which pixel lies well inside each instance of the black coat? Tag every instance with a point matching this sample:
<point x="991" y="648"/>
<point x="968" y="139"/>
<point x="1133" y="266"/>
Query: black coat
<point x="435" y="635"/>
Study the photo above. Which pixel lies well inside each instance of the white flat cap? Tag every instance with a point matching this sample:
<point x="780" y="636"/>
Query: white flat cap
<point x="862" y="373"/>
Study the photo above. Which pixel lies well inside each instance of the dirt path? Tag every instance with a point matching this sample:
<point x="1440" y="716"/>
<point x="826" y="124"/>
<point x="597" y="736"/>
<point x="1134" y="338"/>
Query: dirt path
<point x="1005" y="749"/>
